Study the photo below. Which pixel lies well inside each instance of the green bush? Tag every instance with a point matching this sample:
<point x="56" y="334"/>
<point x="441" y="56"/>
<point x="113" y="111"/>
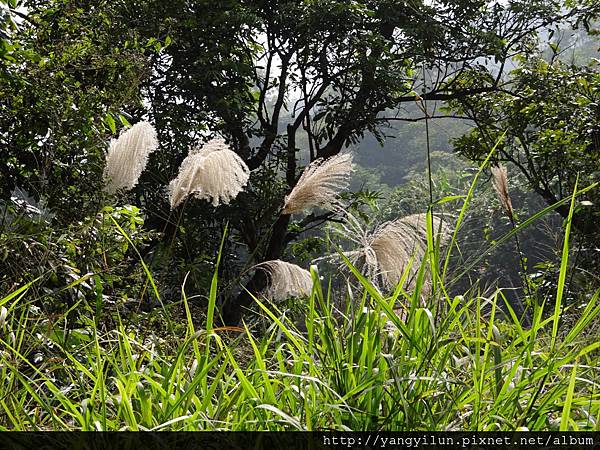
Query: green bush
<point x="88" y="262"/>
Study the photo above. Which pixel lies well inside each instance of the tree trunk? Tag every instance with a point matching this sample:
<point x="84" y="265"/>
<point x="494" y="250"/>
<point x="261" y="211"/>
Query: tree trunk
<point x="233" y="310"/>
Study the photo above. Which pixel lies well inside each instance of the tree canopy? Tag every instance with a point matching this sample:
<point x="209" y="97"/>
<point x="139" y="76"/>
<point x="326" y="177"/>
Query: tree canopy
<point x="285" y="82"/>
<point x="551" y="117"/>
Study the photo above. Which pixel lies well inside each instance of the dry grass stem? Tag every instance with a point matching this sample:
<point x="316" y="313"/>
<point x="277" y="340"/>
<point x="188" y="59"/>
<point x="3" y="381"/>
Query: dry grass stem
<point x="320" y="183"/>
<point x="285" y="280"/>
<point x="128" y="155"/>
<point x="212" y="172"/>
<point x="500" y="183"/>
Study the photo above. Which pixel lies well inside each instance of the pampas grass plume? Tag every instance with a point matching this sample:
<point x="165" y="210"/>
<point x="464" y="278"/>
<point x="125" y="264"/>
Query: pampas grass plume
<point x="127" y="156"/>
<point x="500" y="183"/>
<point x="320" y="183"/>
<point x="285" y="280"/>
<point x="212" y="172"/>
<point x="393" y="244"/>
<point x="386" y="252"/>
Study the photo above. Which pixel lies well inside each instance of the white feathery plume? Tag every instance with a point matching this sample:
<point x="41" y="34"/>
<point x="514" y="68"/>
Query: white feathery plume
<point x="320" y="183"/>
<point x="212" y="172"/>
<point x="285" y="280"/>
<point x="395" y="243"/>
<point x="500" y="183"/>
<point x="127" y="156"/>
<point x="387" y="251"/>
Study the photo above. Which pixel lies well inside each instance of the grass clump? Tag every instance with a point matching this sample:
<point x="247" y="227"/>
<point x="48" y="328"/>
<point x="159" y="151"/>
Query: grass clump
<point x="363" y="368"/>
<point x="415" y="358"/>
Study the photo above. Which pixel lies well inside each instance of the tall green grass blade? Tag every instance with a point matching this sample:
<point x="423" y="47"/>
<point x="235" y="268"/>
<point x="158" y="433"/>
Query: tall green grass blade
<point x="19" y="292"/>
<point x="467" y="201"/>
<point x="566" y="411"/>
<point x="562" y="277"/>
<point x="149" y="276"/>
<point x="526" y="223"/>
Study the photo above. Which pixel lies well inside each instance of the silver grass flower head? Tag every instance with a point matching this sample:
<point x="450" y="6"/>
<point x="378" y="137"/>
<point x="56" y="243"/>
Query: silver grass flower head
<point x="320" y="183"/>
<point x="394" y="243"/>
<point x="128" y="155"/>
<point x="500" y="183"/>
<point x="212" y="172"/>
<point x="386" y="252"/>
<point x="285" y="280"/>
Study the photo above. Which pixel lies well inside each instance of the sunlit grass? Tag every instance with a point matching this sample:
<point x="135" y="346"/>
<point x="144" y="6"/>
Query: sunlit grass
<point x="450" y="363"/>
<point x="363" y="369"/>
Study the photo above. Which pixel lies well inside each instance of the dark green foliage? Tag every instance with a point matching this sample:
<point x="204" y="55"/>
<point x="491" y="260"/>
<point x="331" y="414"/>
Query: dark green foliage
<point x="284" y="82"/>
<point x="552" y="120"/>
<point x="87" y="263"/>
<point x="70" y="71"/>
<point x="553" y="128"/>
